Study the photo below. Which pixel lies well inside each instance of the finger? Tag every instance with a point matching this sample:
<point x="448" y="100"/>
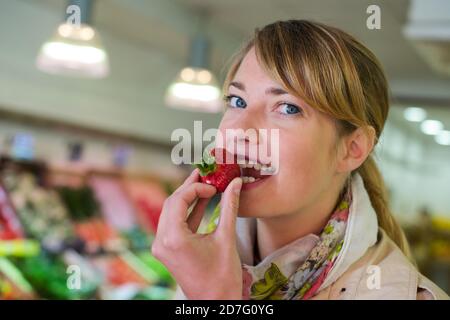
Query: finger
<point x="196" y="216"/>
<point x="186" y="197"/>
<point x="193" y="177"/>
<point x="167" y="208"/>
<point x="230" y="207"/>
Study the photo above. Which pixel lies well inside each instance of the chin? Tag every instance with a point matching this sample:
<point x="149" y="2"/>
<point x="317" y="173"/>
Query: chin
<point x="256" y="202"/>
<point x="247" y="210"/>
<point x="253" y="209"/>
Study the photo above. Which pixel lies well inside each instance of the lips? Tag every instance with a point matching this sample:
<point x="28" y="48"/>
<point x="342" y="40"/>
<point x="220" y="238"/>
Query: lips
<point x="252" y="172"/>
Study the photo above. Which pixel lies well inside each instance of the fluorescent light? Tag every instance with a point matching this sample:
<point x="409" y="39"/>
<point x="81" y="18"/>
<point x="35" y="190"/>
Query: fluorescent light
<point x="74" y="50"/>
<point x="443" y="138"/>
<point x="414" y="114"/>
<point x="71" y="53"/>
<point x="431" y="127"/>
<point x="195" y="89"/>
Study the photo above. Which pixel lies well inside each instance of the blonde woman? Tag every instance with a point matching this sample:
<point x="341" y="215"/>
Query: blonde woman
<point x="321" y="227"/>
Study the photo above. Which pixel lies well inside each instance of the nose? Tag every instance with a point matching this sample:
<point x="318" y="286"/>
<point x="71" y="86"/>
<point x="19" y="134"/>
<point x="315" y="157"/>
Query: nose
<point x="243" y="134"/>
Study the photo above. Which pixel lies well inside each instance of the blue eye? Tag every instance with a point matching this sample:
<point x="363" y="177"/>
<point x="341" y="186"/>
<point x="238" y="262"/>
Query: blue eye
<point x="235" y="102"/>
<point x="287" y="108"/>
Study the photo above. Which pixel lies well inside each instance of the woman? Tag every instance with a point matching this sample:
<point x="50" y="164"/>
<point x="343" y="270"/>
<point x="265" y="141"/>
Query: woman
<point x="321" y="227"/>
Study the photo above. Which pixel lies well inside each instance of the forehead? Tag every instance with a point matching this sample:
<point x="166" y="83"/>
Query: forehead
<point x="250" y="70"/>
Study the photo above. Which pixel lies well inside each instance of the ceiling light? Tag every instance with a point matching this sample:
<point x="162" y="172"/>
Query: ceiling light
<point x="443" y="138"/>
<point x="75" y="48"/>
<point x="195" y="88"/>
<point x="431" y="127"/>
<point x="414" y="114"/>
<point x="195" y="95"/>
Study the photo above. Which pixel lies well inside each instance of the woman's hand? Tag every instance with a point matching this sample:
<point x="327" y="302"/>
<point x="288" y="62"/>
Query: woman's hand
<point x="205" y="266"/>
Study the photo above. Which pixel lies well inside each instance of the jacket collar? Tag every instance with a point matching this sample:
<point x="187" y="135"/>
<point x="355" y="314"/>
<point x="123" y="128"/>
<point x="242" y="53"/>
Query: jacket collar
<point x="361" y="233"/>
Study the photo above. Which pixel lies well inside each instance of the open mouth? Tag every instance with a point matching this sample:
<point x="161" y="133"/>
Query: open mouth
<point x="253" y="172"/>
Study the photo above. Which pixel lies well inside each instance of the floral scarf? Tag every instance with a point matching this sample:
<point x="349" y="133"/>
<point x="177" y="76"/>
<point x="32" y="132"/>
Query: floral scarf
<point x="297" y="270"/>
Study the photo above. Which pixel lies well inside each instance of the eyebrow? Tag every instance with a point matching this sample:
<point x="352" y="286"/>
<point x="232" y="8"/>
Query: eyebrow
<point x="272" y="90"/>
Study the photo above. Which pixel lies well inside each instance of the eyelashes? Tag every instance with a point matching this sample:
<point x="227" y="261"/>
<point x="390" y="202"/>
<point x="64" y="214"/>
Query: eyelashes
<point x="289" y="109"/>
<point x="283" y="108"/>
<point x="238" y="101"/>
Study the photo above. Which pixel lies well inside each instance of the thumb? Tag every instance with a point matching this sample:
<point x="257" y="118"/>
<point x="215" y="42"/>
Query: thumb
<point x="230" y="207"/>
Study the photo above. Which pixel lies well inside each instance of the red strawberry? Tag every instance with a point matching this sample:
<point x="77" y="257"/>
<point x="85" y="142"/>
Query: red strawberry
<point x="215" y="171"/>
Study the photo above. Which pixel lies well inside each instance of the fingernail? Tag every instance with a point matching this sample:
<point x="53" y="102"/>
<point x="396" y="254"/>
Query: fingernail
<point x="237" y="186"/>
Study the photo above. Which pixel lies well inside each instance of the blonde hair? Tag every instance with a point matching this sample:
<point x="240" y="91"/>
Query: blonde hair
<point x="337" y="75"/>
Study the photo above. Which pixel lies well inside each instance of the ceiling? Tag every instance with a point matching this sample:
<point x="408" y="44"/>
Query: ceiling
<point x="147" y="41"/>
<point x="409" y="75"/>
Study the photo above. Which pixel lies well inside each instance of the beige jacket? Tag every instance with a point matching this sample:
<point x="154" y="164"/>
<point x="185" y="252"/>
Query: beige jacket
<point x="370" y="265"/>
<point x="398" y="278"/>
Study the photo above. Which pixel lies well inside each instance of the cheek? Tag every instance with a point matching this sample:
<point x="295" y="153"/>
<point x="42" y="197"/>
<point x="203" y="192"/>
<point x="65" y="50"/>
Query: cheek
<point x="306" y="160"/>
<point x="227" y="124"/>
<point x="297" y="170"/>
<point x="223" y="123"/>
<point x="230" y="119"/>
<point x="221" y="134"/>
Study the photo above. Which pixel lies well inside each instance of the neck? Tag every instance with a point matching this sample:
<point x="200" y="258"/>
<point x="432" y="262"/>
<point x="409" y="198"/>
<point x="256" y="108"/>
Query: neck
<point x="276" y="232"/>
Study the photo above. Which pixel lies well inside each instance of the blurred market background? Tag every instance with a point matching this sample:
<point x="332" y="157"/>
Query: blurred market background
<point x="87" y="113"/>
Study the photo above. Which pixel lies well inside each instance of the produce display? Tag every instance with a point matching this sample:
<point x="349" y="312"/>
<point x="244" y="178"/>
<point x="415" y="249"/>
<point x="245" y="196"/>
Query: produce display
<point x="116" y="206"/>
<point x="13" y="285"/>
<point x="48" y="276"/>
<point x="78" y="241"/>
<point x="148" y="197"/>
<point x="40" y="211"/>
<point x="84" y="211"/>
<point x="10" y="227"/>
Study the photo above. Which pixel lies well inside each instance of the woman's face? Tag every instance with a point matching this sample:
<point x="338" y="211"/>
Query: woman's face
<point x="307" y="140"/>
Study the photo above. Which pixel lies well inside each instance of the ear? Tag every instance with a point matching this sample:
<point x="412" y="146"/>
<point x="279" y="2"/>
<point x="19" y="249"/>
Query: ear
<point x="355" y="148"/>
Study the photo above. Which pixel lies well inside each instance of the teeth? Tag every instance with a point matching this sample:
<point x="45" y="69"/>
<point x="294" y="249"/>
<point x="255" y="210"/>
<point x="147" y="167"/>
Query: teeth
<point x="267" y="170"/>
<point x="249" y="179"/>
<point x="256" y="166"/>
